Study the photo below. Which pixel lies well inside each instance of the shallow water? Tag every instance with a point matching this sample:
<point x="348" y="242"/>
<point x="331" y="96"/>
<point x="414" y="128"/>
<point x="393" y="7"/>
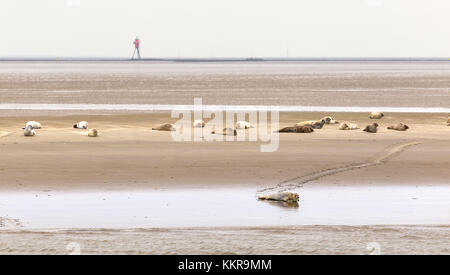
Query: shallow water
<point x="319" y="205"/>
<point x="313" y="83"/>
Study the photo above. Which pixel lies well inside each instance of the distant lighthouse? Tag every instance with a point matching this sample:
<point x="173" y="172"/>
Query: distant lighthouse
<point x="137" y="44"/>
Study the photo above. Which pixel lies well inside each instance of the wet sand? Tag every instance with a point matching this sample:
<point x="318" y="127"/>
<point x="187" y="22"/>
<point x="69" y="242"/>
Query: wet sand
<point x="376" y="83"/>
<point x="229" y="240"/>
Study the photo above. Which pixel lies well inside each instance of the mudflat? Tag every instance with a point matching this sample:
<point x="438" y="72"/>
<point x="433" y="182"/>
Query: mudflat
<point x="233" y="240"/>
<point x="327" y="83"/>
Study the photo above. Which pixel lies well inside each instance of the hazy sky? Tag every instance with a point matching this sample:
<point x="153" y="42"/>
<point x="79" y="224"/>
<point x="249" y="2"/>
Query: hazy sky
<point x="226" y="28"/>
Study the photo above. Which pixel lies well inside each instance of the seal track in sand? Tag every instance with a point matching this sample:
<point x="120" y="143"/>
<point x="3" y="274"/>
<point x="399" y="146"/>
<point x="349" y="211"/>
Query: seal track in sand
<point x="5" y="134"/>
<point x="298" y="182"/>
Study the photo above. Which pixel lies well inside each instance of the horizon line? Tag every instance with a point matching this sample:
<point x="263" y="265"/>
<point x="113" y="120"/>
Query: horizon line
<point x="221" y="59"/>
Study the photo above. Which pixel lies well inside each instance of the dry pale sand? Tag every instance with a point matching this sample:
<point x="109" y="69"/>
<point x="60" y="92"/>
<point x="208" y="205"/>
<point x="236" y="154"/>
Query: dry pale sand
<point x="128" y="154"/>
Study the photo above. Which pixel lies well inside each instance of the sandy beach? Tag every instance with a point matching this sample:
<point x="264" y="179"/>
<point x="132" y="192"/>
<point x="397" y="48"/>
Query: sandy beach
<point x="383" y="169"/>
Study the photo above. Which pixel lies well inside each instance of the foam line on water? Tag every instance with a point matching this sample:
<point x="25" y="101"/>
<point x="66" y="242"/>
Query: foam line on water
<point x="164" y="107"/>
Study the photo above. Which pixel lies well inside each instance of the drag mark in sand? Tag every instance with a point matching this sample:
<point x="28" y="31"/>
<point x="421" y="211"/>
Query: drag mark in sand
<point x="298" y="182"/>
<point x="5" y="134"/>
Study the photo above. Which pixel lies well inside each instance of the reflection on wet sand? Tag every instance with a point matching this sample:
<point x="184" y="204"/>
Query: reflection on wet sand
<point x="282" y="204"/>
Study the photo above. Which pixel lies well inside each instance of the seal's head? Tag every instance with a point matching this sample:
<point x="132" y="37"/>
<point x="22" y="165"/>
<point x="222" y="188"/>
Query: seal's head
<point x="93" y="133"/>
<point x="294" y="197"/>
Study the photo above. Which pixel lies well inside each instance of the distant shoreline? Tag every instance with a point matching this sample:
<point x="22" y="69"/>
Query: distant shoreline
<point x="188" y="59"/>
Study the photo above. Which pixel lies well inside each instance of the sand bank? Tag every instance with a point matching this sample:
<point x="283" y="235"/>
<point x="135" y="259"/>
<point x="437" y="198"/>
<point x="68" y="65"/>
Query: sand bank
<point x="128" y="154"/>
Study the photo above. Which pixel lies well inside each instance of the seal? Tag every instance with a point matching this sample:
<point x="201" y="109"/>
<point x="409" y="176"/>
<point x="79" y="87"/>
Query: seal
<point x="448" y="121"/>
<point x="164" y="127"/>
<point x="243" y="125"/>
<point x="93" y="133"/>
<point x="296" y="129"/>
<point x="371" y="128"/>
<point x="284" y="196"/>
<point x="329" y="120"/>
<point x="199" y="123"/>
<point x="399" y="127"/>
<point x="348" y="126"/>
<point x="318" y="124"/>
<point x="283" y="204"/>
<point x="29" y="131"/>
<point x="226" y="132"/>
<point x="313" y="124"/>
<point x="34" y="124"/>
<point x="81" y="125"/>
<point x="376" y="115"/>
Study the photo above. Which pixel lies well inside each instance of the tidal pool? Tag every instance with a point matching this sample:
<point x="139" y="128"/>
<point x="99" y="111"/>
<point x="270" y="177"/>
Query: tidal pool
<point x="318" y="205"/>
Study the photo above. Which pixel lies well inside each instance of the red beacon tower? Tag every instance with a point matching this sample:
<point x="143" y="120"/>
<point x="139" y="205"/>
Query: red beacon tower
<point x="136" y="43"/>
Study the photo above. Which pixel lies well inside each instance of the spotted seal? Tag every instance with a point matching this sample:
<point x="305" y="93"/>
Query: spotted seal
<point x="284" y="196"/>
<point x="371" y="128"/>
<point x="399" y="127"/>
